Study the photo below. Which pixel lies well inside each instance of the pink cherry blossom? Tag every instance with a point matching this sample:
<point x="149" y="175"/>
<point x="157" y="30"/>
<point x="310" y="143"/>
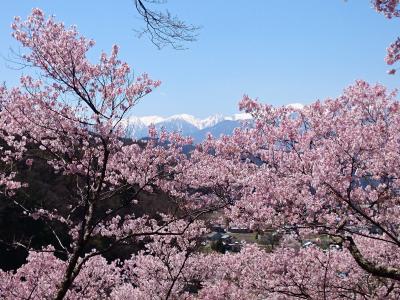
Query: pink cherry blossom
<point x="324" y="179"/>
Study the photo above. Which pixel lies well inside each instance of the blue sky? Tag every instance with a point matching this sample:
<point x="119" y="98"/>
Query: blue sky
<point x="278" y="51"/>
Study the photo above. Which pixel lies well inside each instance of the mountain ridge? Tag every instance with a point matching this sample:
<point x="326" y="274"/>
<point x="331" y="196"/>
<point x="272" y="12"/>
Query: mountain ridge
<point x="188" y="125"/>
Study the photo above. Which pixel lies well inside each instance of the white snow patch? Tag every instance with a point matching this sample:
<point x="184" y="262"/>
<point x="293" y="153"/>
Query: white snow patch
<point x="295" y="105"/>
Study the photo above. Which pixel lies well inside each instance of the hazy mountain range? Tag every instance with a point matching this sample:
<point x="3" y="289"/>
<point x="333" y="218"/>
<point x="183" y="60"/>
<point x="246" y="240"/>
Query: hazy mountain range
<point x="188" y="125"/>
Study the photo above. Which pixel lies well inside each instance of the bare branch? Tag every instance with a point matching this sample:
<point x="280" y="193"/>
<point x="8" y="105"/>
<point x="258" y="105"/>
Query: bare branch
<point x="164" y="29"/>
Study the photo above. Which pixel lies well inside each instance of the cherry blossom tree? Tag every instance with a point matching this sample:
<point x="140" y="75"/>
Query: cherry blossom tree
<point x="390" y="9"/>
<point x="70" y="118"/>
<point x="326" y="172"/>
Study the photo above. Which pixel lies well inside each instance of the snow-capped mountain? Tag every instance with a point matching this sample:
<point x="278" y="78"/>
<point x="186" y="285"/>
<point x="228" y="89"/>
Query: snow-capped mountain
<point x="137" y="127"/>
<point x="295" y="105"/>
<point x="188" y="125"/>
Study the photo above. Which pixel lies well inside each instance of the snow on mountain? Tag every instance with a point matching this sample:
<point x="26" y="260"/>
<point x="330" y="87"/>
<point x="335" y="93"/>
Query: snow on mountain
<point x="198" y="123"/>
<point x="295" y="105"/>
<point x="188" y="125"/>
<point x="137" y="127"/>
<point x="148" y="120"/>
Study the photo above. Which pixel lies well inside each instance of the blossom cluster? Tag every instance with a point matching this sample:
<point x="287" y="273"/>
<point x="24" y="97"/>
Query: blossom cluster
<point x="329" y="171"/>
